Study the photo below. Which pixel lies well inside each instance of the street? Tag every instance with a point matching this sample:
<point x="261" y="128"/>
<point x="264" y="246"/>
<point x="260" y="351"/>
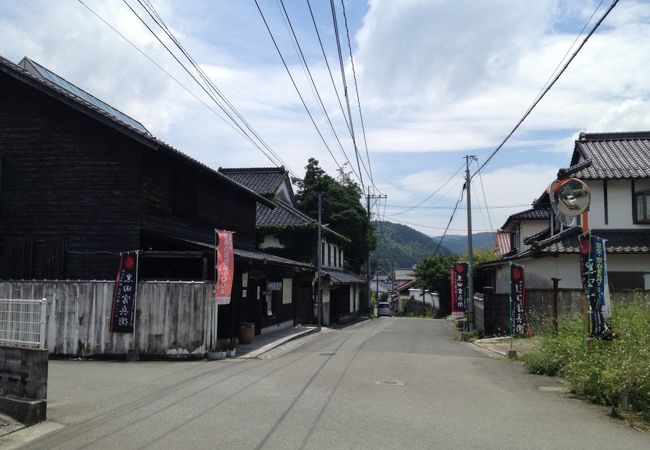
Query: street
<point x="383" y="383"/>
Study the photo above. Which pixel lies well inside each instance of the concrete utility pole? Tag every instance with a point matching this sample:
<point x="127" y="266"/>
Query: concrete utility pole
<point x="368" y="197"/>
<point x="319" y="256"/>
<point x="470" y="250"/>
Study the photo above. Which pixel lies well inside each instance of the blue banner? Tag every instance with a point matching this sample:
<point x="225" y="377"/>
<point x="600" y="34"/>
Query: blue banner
<point x="593" y="269"/>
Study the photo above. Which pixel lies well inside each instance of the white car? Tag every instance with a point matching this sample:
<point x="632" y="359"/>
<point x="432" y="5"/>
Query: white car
<point x="383" y="309"/>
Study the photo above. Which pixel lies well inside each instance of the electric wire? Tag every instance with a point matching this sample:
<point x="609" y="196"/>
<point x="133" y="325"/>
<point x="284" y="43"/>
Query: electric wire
<point x="313" y="83"/>
<point x="480" y="177"/>
<point x="151" y="10"/>
<point x="356" y="89"/>
<point x="293" y="82"/>
<point x="208" y="93"/>
<point x="520" y="205"/>
<point x="345" y="84"/>
<point x="153" y="14"/>
<point x="433" y="193"/>
<point x="162" y="69"/>
<point x="548" y="87"/>
<point x="460" y="199"/>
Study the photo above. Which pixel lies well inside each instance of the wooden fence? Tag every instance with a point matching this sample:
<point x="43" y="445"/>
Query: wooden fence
<point x="171" y="317"/>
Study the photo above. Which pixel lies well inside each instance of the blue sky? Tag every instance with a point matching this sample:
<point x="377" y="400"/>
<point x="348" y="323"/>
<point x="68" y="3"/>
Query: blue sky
<point x="437" y="79"/>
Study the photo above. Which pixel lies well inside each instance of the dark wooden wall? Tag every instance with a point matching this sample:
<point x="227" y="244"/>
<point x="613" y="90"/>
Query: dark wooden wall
<point x="65" y="178"/>
<point x="76" y="191"/>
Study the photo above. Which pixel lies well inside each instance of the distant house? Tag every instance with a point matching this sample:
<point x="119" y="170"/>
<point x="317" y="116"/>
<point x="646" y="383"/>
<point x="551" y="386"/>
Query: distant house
<point x="288" y="232"/>
<point x="81" y="182"/>
<point x="616" y="168"/>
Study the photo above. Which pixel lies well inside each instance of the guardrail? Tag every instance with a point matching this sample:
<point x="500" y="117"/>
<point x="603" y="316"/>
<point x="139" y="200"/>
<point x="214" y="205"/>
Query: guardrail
<point x="22" y="322"/>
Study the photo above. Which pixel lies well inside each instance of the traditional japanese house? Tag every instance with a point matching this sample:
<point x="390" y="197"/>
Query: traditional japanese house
<point x="288" y="232"/>
<point x="81" y="182"/>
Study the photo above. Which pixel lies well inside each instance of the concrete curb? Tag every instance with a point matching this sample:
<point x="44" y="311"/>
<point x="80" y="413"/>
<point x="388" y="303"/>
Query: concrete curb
<point x="271" y="345"/>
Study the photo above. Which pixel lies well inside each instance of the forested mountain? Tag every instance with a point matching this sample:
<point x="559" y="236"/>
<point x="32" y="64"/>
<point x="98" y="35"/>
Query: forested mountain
<point x="457" y="244"/>
<point x="401" y="245"/>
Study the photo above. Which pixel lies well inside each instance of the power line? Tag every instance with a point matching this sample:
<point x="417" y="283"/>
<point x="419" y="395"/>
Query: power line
<point x="485" y="199"/>
<point x="464" y="230"/>
<point x="434" y="192"/>
<point x="356" y="89"/>
<point x="329" y="69"/>
<point x="162" y="69"/>
<point x="345" y="84"/>
<point x="550" y="85"/>
<point x="313" y="83"/>
<point x="151" y="11"/>
<point x="521" y="205"/>
<point x="302" y="100"/>
<point x="460" y="199"/>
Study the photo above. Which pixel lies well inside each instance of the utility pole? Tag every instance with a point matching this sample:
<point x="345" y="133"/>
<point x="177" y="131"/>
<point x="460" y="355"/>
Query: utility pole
<point x="470" y="250"/>
<point x="368" y="197"/>
<point x="319" y="256"/>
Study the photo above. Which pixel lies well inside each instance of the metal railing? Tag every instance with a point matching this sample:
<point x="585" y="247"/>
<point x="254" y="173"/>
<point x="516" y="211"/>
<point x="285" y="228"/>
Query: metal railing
<point x="22" y="322"/>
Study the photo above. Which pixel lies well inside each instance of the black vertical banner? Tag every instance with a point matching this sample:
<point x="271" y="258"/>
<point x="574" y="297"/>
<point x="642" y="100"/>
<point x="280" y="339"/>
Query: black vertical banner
<point x="122" y="315"/>
<point x="458" y="285"/>
<point x="518" y="295"/>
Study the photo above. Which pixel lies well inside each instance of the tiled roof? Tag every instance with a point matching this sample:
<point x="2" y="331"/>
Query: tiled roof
<point x="267" y="258"/>
<point x="263" y="180"/>
<point x="613" y="155"/>
<point x="287" y="215"/>
<point x="39" y="71"/>
<point x="343" y="277"/>
<point x="92" y="110"/>
<point x="538" y="236"/>
<point x="536" y="213"/>
<point x="283" y="215"/>
<point x="618" y="241"/>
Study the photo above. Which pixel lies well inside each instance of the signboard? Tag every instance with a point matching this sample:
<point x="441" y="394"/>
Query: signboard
<point x="126" y="281"/>
<point x="225" y="267"/>
<point x="287" y="290"/>
<point x="274" y="285"/>
<point x="593" y="270"/>
<point x="458" y="284"/>
<point x="518" y="319"/>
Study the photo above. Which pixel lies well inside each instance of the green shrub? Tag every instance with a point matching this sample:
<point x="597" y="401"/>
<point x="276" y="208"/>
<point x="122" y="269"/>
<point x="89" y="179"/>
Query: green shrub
<point x="606" y="370"/>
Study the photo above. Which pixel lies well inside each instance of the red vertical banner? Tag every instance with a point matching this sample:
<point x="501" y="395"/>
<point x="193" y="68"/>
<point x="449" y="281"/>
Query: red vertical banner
<point x="225" y="267"/>
<point x="124" y="294"/>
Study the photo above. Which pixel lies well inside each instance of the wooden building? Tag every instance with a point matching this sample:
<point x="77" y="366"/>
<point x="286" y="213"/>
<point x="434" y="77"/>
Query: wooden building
<point x="81" y="182"/>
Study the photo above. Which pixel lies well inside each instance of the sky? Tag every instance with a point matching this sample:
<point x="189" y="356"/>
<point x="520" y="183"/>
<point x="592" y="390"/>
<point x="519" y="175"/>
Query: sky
<point x="437" y="80"/>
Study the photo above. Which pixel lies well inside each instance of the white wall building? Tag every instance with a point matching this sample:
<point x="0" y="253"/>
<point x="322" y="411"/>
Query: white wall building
<point x="616" y="168"/>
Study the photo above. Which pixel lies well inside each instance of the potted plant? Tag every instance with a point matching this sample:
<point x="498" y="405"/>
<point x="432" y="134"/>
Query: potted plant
<point x="246" y="332"/>
<point x="231" y="348"/>
<point x="217" y="352"/>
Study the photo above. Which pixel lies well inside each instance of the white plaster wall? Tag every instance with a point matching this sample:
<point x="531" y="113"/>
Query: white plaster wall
<point x="326" y="293"/>
<point x="529" y="228"/>
<point x="539" y="271"/>
<point x="284" y="192"/>
<point x="619" y="204"/>
<point x="270" y="241"/>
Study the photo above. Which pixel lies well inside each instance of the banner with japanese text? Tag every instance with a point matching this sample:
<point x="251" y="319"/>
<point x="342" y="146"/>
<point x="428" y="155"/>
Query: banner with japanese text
<point x="593" y="270"/>
<point x="225" y="267"/>
<point x="458" y="286"/>
<point x="124" y="293"/>
<point x="519" y="320"/>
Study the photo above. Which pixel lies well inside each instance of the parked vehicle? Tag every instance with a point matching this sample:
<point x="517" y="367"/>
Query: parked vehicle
<point x="383" y="309"/>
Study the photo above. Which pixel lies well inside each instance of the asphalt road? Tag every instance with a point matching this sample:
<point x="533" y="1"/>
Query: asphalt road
<point x="385" y="383"/>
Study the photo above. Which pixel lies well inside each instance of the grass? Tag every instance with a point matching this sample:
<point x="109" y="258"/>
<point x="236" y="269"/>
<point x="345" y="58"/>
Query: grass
<point x="606" y="371"/>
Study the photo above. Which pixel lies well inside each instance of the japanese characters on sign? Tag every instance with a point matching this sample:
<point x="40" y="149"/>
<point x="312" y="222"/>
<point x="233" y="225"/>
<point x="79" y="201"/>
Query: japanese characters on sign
<point x="225" y="267"/>
<point x="519" y="320"/>
<point x="122" y="314"/>
<point x="593" y="270"/>
<point x="458" y="284"/>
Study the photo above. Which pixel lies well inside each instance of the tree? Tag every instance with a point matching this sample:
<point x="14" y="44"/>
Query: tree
<point x="341" y="209"/>
<point x="432" y="273"/>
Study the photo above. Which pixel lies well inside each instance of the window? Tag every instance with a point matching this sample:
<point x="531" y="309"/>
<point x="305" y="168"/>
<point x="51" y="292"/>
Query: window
<point x="322" y="253"/>
<point x="642" y="207"/>
<point x="329" y="255"/>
